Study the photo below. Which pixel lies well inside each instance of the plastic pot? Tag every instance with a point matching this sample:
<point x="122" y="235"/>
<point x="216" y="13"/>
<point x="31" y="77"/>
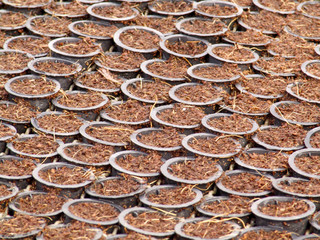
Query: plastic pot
<point x="83" y="59"/>
<point x="187" y="139"/>
<point x="104" y="41"/>
<point x="226" y="191"/>
<point x="6" y="199"/>
<point x="315" y="227"/>
<point x="67" y="190"/>
<point x="287" y="29"/>
<point x="303" y="4"/>
<point x="296" y="223"/>
<point x="302" y="153"/>
<point x="202" y="185"/>
<point x="281" y="74"/>
<point x="266" y="229"/>
<point x="294" y="94"/>
<point x="273" y="147"/>
<point x="182" y="235"/>
<point x="138" y="82"/>
<point x="12" y="29"/>
<point x="183" y="38"/>
<point x="317" y="49"/>
<point x="277" y="173"/>
<point x="260" y="5"/>
<point x="135" y="212"/>
<point x="4" y="139"/>
<point x="125" y="200"/>
<point x="71" y="216"/>
<point x="56" y="14"/>
<point x="40" y="101"/>
<point x="20" y="181"/>
<point x="306" y="64"/>
<point x="65" y="79"/>
<point x="25" y="38"/>
<point x="273" y="110"/>
<point x="148" y="53"/>
<point x="174" y="14"/>
<point x="87" y="113"/>
<point x="90" y="10"/>
<point x="181" y="210"/>
<point x="307" y="140"/>
<point x="22" y="55"/>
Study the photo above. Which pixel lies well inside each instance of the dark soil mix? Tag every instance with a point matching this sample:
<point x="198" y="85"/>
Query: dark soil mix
<point x="33" y="86"/>
<point x="97" y="30"/>
<point x="304" y="26"/>
<point x="150" y="163"/>
<point x="173" y="6"/>
<point x="270" y="160"/>
<point x="301" y="112"/>
<point x="12" y="19"/>
<point x="199" y="169"/>
<point x="152" y="221"/>
<point x="246" y="103"/>
<point x="311" y="9"/>
<point x="208" y="229"/>
<point x="40" y="203"/>
<point x="314" y="69"/>
<point x="121" y="11"/>
<point x="76" y="230"/>
<point x="249" y="36"/>
<point x="172" y="196"/>
<point x="21" y="112"/>
<point x="217" y="10"/>
<point x="55" y="67"/>
<point x="234" y="53"/>
<point x="94" y="211"/>
<point x="13" y="61"/>
<point x="116" y="187"/>
<point x="285" y="208"/>
<point x="139" y="39"/>
<point x="164" y="25"/>
<point x="288" y="45"/>
<point x="285" y="5"/>
<point x="213" y="145"/>
<point x="51" y="25"/>
<point x="114" y="133"/>
<point x="172" y="68"/>
<point x="232" y="205"/>
<point x="166" y="138"/>
<point x="3" y="38"/>
<point x="65" y="123"/>
<point x="203" y="26"/>
<point x="129" y="111"/>
<point x="264" y="21"/>
<point x="28" y="2"/>
<point x="98" y="153"/>
<point x="103" y="79"/>
<point x="82" y="47"/>
<point x="247" y="182"/>
<point x="191" y="48"/>
<point x="81" y="100"/>
<point x="310" y="187"/>
<point x="31" y="45"/>
<point x="181" y="114"/>
<point x="309" y="164"/>
<point x="309" y="89"/>
<point x="38" y="145"/>
<point x="285" y="136"/>
<point x="198" y="93"/>
<point x="315" y="140"/>
<point x="72" y="8"/>
<point x="263" y="234"/>
<point x="268" y="85"/>
<point x="225" y="71"/>
<point x="233" y="123"/>
<point x="6" y="131"/>
<point x="20" y="224"/>
<point x="156" y="91"/>
<point x="65" y="176"/>
<point x="15" y="167"/>
<point x="125" y="61"/>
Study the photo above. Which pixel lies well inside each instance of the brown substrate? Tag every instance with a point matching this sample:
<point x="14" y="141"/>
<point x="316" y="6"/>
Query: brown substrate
<point x="13" y="167"/>
<point x="291" y="208"/>
<point x="242" y="3"/>
<point x="33" y="86"/>
<point x="64" y="123"/>
<point x="203" y="26"/>
<point x="266" y="235"/>
<point x="181" y="114"/>
<point x="14" y="112"/>
<point x="12" y="19"/>
<point x="131" y="235"/>
<point x="30" y="45"/>
<point x="3" y="38"/>
<point x="164" y="25"/>
<point x="51" y="25"/>
<point x="270" y="160"/>
<point x="246" y="182"/>
<point x="100" y="80"/>
<point x="139" y="39"/>
<point x="82" y="47"/>
<point x="311" y="9"/>
<point x="309" y="89"/>
<point x="232" y="205"/>
<point x="166" y="138"/>
<point x="308" y="187"/>
<point x="173" y="6"/>
<point x="150" y="163"/>
<point x="6" y="131"/>
<point x="121" y="11"/>
<point x="53" y="67"/>
<point x="233" y="123"/>
<point x="28" y="2"/>
<point x="80" y="100"/>
<point x="11" y="61"/>
<point x="72" y="8"/>
<point x="199" y="169"/>
<point x="217" y="9"/>
<point x="233" y="53"/>
<point x="284" y="5"/>
<point x="314" y="69"/>
<point x="172" y="68"/>
<point x="172" y="196"/>
<point x="249" y="36"/>
<point x="225" y="71"/>
<point x="285" y="136"/>
<point x="304" y="26"/>
<point x="96" y="30"/>
<point x="309" y="164"/>
<point x="191" y="48"/>
<point x="4" y="190"/>
<point x="38" y="145"/>
<point x="315" y="140"/>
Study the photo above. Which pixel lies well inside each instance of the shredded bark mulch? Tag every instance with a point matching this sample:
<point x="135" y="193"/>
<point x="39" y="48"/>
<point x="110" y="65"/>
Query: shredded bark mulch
<point x="13" y="167"/>
<point x="249" y="36"/>
<point x="165" y="138"/>
<point x="172" y="196"/>
<point x="284" y="208"/>
<point x="12" y="19"/>
<point x="82" y="47"/>
<point x="309" y="164"/>
<point x="225" y="71"/>
<point x="190" y="47"/>
<point x="33" y="86"/>
<point x="121" y="11"/>
<point x="10" y="61"/>
<point x="308" y="187"/>
<point x="30" y="45"/>
<point x="267" y="235"/>
<point x="285" y="5"/>
<point x="217" y="9"/>
<point x="203" y="26"/>
<point x="97" y="30"/>
<point x="72" y="8"/>
<point x="233" y="123"/>
<point x="81" y="100"/>
<point x="233" y="53"/>
<point x="6" y="131"/>
<point x="51" y="25"/>
<point x="14" y="112"/>
<point x="173" y="6"/>
<point x="100" y="80"/>
<point x="270" y="160"/>
<point x="139" y="39"/>
<point x="38" y="145"/>
<point x="55" y="67"/>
